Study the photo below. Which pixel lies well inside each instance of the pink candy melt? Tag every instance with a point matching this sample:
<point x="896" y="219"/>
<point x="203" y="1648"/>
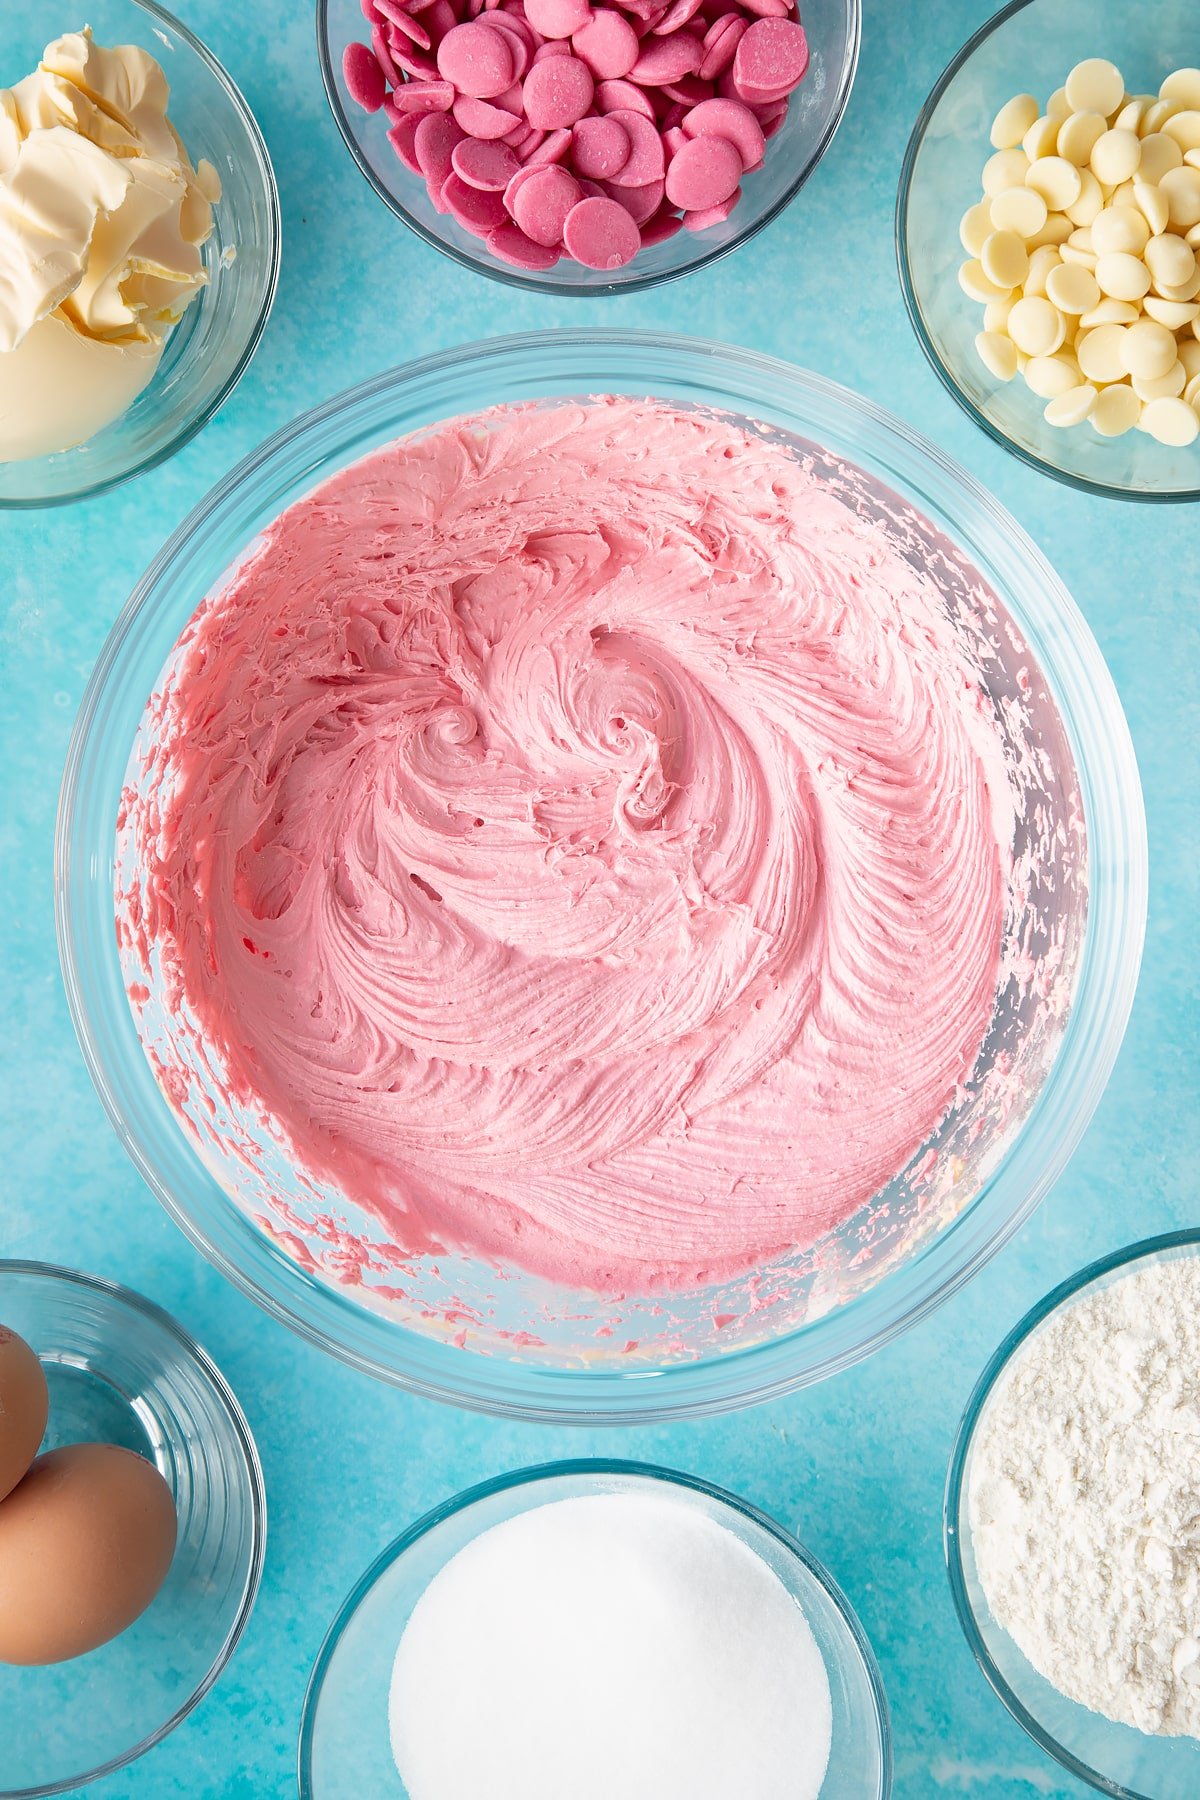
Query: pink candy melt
<point x="580" y="836"/>
<point x="646" y="104"/>
<point x="363" y="76"/>
<point x="771" y="60"/>
<point x="477" y="59"/>
<point x="542" y="201"/>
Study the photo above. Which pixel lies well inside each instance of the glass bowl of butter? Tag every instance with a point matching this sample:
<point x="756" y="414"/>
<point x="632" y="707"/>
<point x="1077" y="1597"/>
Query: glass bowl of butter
<point x="139" y="236"/>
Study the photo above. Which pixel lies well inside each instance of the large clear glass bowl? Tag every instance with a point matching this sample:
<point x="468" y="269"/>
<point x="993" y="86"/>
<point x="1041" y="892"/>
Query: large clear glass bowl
<point x="1028" y="47"/>
<point x="1114" y="1758"/>
<point x="521" y="1346"/>
<point x="345" y="1749"/>
<point x="210" y="349"/>
<point x="833" y="28"/>
<point x="120" y="1371"/>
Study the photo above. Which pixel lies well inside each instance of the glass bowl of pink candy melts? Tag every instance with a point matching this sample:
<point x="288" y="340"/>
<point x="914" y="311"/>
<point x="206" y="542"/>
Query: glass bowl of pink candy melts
<point x="587" y="146"/>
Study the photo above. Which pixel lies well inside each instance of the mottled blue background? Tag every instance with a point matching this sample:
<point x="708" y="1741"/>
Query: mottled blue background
<point x="855" y="1466"/>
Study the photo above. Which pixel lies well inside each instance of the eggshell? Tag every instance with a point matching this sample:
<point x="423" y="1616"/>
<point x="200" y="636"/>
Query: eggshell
<point x="24" y="1404"/>
<point x="86" y="1540"/>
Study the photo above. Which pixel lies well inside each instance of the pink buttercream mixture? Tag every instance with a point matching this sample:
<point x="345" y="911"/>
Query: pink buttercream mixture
<point x="581" y="838"/>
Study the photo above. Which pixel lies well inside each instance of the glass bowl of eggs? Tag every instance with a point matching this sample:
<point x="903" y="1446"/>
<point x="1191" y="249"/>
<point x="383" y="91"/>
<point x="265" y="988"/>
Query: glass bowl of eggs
<point x="569" y="1295"/>
<point x="1049" y="242"/>
<point x="667" y="231"/>
<point x="113" y="358"/>
<point x="117" y="1376"/>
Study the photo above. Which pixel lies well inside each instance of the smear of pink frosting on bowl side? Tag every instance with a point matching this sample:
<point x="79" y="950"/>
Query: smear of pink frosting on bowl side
<point x="583" y="837"/>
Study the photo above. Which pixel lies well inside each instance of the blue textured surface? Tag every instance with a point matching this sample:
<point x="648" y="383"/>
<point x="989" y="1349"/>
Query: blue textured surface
<point x="855" y="1466"/>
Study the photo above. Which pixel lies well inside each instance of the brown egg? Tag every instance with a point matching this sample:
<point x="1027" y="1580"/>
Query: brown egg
<point x="24" y="1404"/>
<point x="86" y="1540"/>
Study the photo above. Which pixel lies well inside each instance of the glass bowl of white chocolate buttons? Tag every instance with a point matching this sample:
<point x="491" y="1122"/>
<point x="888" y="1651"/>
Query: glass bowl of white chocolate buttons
<point x="1048" y="234"/>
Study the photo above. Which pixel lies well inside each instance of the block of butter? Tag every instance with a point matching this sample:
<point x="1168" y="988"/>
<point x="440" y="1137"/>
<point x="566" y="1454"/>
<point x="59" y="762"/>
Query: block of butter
<point x="102" y="216"/>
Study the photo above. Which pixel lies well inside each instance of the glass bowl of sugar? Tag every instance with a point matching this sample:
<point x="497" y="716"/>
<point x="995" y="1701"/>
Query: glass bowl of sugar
<point x="595" y="1628"/>
<point x="1070" y="1521"/>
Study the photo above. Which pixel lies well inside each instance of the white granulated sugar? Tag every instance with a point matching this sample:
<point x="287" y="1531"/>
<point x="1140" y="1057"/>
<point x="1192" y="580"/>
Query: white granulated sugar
<point x="1084" y="1499"/>
<point x="612" y="1647"/>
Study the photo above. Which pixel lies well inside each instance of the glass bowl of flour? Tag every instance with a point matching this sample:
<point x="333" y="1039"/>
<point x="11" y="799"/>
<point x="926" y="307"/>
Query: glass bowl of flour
<point x="594" y="1628"/>
<point x="1073" y="1520"/>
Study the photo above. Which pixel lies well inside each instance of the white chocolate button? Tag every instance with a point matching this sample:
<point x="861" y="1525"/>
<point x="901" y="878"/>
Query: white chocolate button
<point x="1056" y="180"/>
<point x="1077" y="136"/>
<point x="1058" y="106"/>
<point x="1071" y="408"/>
<point x="1116" y="411"/>
<point x="1193" y="237"/>
<point x="997" y="353"/>
<point x="1119" y="230"/>
<point x="1073" y="289"/>
<point x="975" y="227"/>
<point x="1172" y="422"/>
<point x="1056" y="230"/>
<point x="1040" y="264"/>
<point x="1095" y="86"/>
<point x="1110" y="312"/>
<point x="1017" y="209"/>
<point x="1156" y="116"/>
<point x="1100" y="353"/>
<point x="1183" y="87"/>
<point x="1078" y="249"/>
<point x="1042" y="138"/>
<point x="995" y="315"/>
<point x="1152" y="204"/>
<point x="1115" y="157"/>
<point x="1006" y="169"/>
<point x="1161" y="387"/>
<point x="1159" y="153"/>
<point x="1123" y="277"/>
<point x="1005" y="260"/>
<point x="1148" y="349"/>
<point x="1186" y="291"/>
<point x="1189" y="356"/>
<point x="1181" y="188"/>
<point x="1130" y="115"/>
<point x="1184" y="128"/>
<point x="1036" y="327"/>
<point x="1174" y="314"/>
<point x="1090" y="201"/>
<point x="975" y="284"/>
<point x="1013" y="121"/>
<point x="1170" y="260"/>
<point x="1191" y="393"/>
<point x="1047" y="376"/>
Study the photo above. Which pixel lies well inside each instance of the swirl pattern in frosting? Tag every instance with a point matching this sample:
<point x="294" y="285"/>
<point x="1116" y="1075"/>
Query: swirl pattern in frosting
<point x="581" y="835"/>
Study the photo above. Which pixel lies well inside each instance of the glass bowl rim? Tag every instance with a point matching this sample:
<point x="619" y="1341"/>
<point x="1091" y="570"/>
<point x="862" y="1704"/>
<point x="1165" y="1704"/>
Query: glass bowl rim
<point x="596" y="1469"/>
<point x="1083" y="484"/>
<point x="1188" y="1239"/>
<point x="496" y="270"/>
<point x="565" y="1395"/>
<point x="114" y="1291"/>
<point x="191" y="428"/>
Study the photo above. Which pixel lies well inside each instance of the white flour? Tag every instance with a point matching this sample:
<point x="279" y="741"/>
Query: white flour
<point x="1084" y="1500"/>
